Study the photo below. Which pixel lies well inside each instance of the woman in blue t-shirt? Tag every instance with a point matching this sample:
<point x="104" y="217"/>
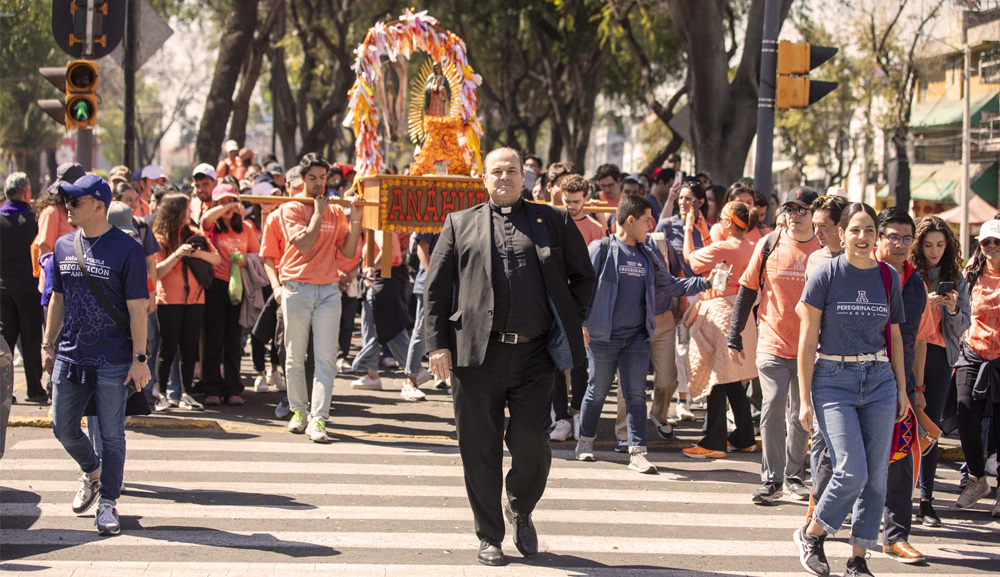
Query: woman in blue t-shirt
<point x="856" y="392"/>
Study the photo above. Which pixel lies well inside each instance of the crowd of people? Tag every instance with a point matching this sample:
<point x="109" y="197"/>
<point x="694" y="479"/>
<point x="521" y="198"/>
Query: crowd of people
<point x="817" y="322"/>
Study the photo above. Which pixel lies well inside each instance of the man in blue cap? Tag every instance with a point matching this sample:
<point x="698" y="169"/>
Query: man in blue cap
<point x="95" y="341"/>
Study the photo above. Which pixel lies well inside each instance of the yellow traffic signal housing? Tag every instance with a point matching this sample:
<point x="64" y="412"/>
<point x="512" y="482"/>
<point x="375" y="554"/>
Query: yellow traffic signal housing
<point x="794" y="88"/>
<point x="81" y="94"/>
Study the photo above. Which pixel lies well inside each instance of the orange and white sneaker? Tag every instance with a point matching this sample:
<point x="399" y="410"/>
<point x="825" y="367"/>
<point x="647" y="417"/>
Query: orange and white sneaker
<point x="751" y="449"/>
<point x="697" y="452"/>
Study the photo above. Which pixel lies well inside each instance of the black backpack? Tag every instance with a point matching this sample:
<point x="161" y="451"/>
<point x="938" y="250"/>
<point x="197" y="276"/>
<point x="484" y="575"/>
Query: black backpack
<point x="203" y="272"/>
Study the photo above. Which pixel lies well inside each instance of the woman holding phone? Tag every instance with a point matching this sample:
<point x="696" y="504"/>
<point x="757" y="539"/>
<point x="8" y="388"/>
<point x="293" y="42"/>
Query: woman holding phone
<point x="936" y="254"/>
<point x="857" y="392"/>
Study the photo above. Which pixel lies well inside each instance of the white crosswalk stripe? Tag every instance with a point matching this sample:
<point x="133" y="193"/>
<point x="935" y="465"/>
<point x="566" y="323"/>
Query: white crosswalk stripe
<point x="202" y="506"/>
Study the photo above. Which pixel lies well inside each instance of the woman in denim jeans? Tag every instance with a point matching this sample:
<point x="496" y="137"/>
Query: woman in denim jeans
<point x="856" y="393"/>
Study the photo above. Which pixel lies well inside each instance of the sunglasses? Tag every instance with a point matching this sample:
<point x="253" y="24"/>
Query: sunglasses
<point x="74" y="201"/>
<point x="990" y="242"/>
<point x="796" y="210"/>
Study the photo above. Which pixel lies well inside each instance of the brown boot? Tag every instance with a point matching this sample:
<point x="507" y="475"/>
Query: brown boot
<point x="903" y="552"/>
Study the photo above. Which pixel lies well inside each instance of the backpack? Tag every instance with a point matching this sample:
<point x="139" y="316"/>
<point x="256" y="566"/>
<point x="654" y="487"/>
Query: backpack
<point x="606" y="245"/>
<point x="203" y="272"/>
<point x="770" y="241"/>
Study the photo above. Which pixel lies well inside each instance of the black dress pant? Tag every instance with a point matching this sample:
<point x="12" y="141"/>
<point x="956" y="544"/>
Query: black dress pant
<point x="21" y="313"/>
<point x="578" y="388"/>
<point x="897" y="516"/>
<point x="349" y="307"/>
<point x="715" y="421"/>
<point x="937" y="381"/>
<point x="520" y="378"/>
<point x="220" y="367"/>
<point x="180" y="327"/>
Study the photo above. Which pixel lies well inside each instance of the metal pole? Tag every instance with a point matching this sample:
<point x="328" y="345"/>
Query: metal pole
<point x="765" y="102"/>
<point x="966" y="145"/>
<point x="85" y="148"/>
<point x="131" y="44"/>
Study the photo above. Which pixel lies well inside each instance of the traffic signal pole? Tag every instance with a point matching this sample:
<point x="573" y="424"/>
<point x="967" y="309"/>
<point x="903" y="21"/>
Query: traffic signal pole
<point x="766" y="98"/>
<point x="128" y="134"/>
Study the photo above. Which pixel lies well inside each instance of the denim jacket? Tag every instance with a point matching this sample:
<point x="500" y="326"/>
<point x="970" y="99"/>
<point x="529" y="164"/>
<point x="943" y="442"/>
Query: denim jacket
<point x="600" y="323"/>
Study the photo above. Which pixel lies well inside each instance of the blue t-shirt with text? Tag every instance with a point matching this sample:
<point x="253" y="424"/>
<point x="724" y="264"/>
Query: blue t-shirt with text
<point x="630" y="305"/>
<point x="854" y="306"/>
<point x="89" y="335"/>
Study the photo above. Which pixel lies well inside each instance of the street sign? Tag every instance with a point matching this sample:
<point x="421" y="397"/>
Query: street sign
<point x="153" y="32"/>
<point x="88" y="28"/>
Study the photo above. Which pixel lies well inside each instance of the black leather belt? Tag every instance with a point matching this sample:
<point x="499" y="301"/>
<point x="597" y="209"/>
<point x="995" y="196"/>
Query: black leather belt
<point x="509" y="338"/>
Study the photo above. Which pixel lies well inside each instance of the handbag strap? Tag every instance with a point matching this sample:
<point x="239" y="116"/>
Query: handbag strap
<point x="98" y="293"/>
<point x="887" y="283"/>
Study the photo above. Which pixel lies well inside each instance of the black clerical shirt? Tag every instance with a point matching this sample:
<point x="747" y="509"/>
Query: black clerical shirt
<point x="520" y="304"/>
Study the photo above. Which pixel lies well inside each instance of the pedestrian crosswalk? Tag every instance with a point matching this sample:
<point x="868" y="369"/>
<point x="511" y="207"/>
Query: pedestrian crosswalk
<point x="273" y="505"/>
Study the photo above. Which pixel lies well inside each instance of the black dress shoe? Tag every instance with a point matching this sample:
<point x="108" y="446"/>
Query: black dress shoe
<point x="490" y="553"/>
<point x="525" y="537"/>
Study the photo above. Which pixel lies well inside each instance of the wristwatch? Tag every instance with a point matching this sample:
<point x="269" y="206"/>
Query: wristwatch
<point x="141" y="357"/>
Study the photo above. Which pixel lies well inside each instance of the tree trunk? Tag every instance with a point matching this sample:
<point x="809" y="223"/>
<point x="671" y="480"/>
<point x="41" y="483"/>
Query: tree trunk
<point x="234" y="43"/>
<point x="660" y="157"/>
<point x="251" y="73"/>
<point x="899" y="172"/>
<point x="556" y="148"/>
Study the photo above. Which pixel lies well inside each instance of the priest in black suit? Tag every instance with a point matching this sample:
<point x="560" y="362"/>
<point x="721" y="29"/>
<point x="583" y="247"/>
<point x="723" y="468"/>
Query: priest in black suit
<point x="507" y="292"/>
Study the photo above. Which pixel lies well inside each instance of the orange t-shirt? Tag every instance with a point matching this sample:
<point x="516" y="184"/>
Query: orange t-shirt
<point x="735" y="251"/>
<point x="226" y="242"/>
<point x="273" y="239"/>
<point x="400" y="244"/>
<point x="170" y="287"/>
<point x="590" y="229"/>
<point x="984" y="334"/>
<point x="930" y="325"/>
<point x="53" y="222"/>
<point x="318" y="266"/>
<point x="784" y="280"/>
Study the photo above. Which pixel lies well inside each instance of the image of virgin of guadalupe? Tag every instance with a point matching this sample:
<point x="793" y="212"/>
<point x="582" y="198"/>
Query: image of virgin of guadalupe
<point x="437" y="93"/>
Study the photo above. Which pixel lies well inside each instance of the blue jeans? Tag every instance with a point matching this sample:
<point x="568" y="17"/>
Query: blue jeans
<point x="72" y="388"/>
<point x="630" y="357"/>
<point x="415" y="354"/>
<point x="313" y="306"/>
<point x="367" y="358"/>
<point x="855" y="405"/>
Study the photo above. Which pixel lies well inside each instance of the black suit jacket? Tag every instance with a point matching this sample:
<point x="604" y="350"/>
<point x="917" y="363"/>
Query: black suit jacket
<point x="458" y="295"/>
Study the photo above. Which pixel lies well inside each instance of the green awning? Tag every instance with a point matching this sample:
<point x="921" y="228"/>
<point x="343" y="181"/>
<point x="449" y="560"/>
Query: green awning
<point x="948" y="111"/>
<point x="938" y="182"/>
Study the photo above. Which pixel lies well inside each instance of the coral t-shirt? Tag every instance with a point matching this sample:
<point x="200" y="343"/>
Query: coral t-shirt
<point x="752" y="235"/>
<point x="318" y="266"/>
<point x="590" y="229"/>
<point x="53" y="222"/>
<point x="170" y="287"/>
<point x="400" y="242"/>
<point x="735" y="251"/>
<point x="784" y="279"/>
<point x="226" y="242"/>
<point x="930" y="325"/>
<point x="984" y="334"/>
<point x="273" y="239"/>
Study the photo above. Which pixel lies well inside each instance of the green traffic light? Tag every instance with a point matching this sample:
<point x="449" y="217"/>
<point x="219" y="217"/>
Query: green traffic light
<point x="80" y="110"/>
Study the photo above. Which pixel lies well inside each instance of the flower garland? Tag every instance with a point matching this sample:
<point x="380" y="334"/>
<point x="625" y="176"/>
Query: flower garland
<point x="413" y="31"/>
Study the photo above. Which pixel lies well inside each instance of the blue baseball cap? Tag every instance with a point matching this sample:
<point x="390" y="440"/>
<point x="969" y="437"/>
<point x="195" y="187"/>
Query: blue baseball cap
<point x="88" y="185"/>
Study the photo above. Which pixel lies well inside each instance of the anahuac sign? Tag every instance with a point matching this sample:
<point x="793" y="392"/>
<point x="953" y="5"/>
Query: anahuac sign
<point x="417" y="204"/>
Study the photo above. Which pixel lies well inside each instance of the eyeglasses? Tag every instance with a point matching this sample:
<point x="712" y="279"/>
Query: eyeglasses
<point x="989" y="241"/>
<point x="796" y="210"/>
<point x="896" y="239"/>
<point x="74" y="201"/>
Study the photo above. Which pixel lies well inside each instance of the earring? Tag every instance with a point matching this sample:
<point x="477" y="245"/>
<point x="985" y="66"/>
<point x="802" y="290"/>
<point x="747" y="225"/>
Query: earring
<point x="843" y="244"/>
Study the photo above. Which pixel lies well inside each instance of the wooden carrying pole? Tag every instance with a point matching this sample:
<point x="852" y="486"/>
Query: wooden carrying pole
<point x="303" y="199"/>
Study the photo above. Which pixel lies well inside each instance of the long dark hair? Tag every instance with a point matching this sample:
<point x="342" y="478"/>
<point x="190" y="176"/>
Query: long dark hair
<point x="45" y="200"/>
<point x="853" y="209"/>
<point x="951" y="261"/>
<point x="746" y="213"/>
<point x="173" y="225"/>
<point x="976" y="266"/>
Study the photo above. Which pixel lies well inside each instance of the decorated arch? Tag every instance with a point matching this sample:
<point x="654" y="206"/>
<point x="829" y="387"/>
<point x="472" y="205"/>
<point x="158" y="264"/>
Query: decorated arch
<point x="414" y="31"/>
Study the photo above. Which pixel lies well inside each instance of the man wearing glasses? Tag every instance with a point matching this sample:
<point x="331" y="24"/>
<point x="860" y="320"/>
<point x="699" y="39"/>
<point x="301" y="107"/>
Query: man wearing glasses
<point x="784" y="441"/>
<point x="84" y="349"/>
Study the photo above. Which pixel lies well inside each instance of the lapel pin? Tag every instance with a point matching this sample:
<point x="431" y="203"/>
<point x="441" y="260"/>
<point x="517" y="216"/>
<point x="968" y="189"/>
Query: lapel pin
<point x="539" y="221"/>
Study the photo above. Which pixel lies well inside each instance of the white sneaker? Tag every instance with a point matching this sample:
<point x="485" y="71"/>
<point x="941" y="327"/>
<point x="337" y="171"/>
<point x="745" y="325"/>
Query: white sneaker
<point x="106" y="520"/>
<point x="562" y="431"/>
<point x="991" y="465"/>
<point x="637" y="460"/>
<point x="584" y="450"/>
<point x="87" y="494"/>
<point x="367" y="383"/>
<point x="577" y="418"/>
<point x="188" y="402"/>
<point x="684" y="413"/>
<point x="260" y="384"/>
<point x="411" y="393"/>
<point x="389" y="362"/>
<point x="317" y="432"/>
<point x="162" y="404"/>
<point x="297" y="424"/>
<point x="672" y="418"/>
<point x="424" y="376"/>
<point x="344" y="366"/>
<point x="974" y="491"/>
<point x="276" y="380"/>
<point x="995" y="512"/>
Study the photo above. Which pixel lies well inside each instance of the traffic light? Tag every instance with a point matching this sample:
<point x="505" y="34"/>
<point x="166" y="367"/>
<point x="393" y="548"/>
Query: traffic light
<point x="795" y="60"/>
<point x="78" y="9"/>
<point x="81" y="94"/>
<point x="88" y="28"/>
<point x="78" y="83"/>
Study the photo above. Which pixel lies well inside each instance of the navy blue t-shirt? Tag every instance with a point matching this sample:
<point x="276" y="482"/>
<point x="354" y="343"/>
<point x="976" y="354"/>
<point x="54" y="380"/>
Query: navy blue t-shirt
<point x="115" y="261"/>
<point x="630" y="305"/>
<point x="418" y="282"/>
<point x="854" y="307"/>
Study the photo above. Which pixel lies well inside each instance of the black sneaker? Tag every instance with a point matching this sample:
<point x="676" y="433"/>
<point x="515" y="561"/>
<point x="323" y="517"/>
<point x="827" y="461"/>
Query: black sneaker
<point x="857" y="567"/>
<point x="796" y="490"/>
<point x="927" y="516"/>
<point x="767" y="494"/>
<point x="811" y="553"/>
